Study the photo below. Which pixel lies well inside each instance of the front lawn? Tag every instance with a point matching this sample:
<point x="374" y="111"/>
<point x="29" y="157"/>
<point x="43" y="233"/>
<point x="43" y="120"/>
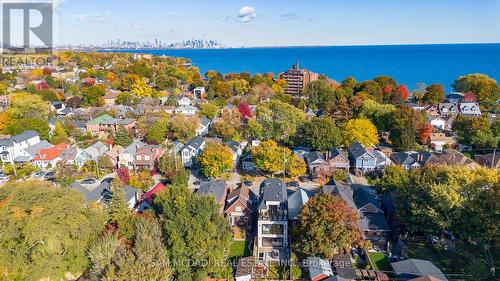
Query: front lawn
<point x="380" y="261"/>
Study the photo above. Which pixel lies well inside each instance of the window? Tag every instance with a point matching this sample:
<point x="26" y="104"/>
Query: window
<point x="146" y="157"/>
<point x="238" y="209"/>
<point x="363" y="210"/>
<point x="245" y="219"/>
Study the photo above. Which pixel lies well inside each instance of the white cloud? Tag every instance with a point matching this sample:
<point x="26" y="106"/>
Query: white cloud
<point x="246" y="14"/>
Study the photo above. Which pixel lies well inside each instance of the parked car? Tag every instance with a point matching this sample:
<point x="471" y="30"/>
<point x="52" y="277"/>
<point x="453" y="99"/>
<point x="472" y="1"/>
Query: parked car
<point x="88" y="181"/>
<point x="38" y="175"/>
<point x="49" y="175"/>
<point x="108" y="180"/>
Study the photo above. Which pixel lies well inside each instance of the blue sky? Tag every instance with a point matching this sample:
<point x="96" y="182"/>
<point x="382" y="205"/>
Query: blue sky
<point x="280" y="22"/>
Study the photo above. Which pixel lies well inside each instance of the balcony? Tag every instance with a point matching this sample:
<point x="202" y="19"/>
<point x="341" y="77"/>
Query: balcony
<point x="274" y="229"/>
<point x="274" y="215"/>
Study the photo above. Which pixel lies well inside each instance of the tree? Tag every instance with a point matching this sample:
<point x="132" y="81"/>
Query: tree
<point x="245" y="110"/>
<point x="17" y="126"/>
<point x="59" y="135"/>
<point x="66" y="174"/>
<point x="394" y="177"/>
<point x="268" y="157"/>
<point x="145" y="259"/>
<point x="45" y="230"/>
<point x="474" y="131"/>
<point x="184" y="128"/>
<point x="24" y="105"/>
<point x="123" y="174"/>
<point x="126" y="98"/>
<point x="295" y="166"/>
<point x="228" y="126"/>
<point x="361" y="130"/>
<point x="402" y="90"/>
<point x="141" y="89"/>
<point x="327" y="225"/>
<point x="320" y="134"/>
<point x="371" y="89"/>
<point x="194" y="231"/>
<point x="215" y="160"/>
<point x="403" y="128"/>
<point x="240" y="86"/>
<point x="254" y="129"/>
<point x="158" y="131"/>
<point x="93" y="95"/>
<point x="170" y="164"/>
<point x="123" y="137"/>
<point x="280" y="121"/>
<point x="118" y="207"/>
<point x="141" y="180"/>
<point x="379" y="114"/>
<point x="485" y="88"/>
<point x="434" y="94"/>
<point x="210" y="110"/>
<point x="319" y="93"/>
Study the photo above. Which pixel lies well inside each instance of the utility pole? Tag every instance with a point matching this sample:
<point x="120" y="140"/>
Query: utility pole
<point x="493" y="158"/>
<point x="284" y="163"/>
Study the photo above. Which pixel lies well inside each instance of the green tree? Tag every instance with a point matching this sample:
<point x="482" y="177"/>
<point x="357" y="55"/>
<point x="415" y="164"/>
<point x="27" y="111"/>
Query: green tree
<point x="184" y="128"/>
<point x="320" y="134"/>
<point x="371" y="89"/>
<point x="142" y="180"/>
<point x="268" y="157"/>
<point x="485" y="88"/>
<point x="158" y="131"/>
<point x="45" y="230"/>
<point x="123" y="137"/>
<point x="403" y="128"/>
<point x="209" y="109"/>
<point x="17" y="126"/>
<point x="327" y="225"/>
<point x="118" y="207"/>
<point x="59" y="135"/>
<point x="361" y="130"/>
<point x="194" y="231"/>
<point x="93" y="95"/>
<point x="379" y="114"/>
<point x="394" y="177"/>
<point x="170" y="164"/>
<point x="434" y="94"/>
<point x="280" y="121"/>
<point x="215" y="160"/>
<point x="295" y="166"/>
<point x="319" y="93"/>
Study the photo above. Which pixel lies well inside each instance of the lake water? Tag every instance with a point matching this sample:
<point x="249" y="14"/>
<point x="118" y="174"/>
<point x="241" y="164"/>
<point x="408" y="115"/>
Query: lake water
<point x="408" y="64"/>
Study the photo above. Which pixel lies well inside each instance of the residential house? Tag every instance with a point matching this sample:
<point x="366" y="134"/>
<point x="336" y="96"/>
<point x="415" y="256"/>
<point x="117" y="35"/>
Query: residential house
<point x="337" y="160"/>
<point x="13" y="148"/>
<point x="184" y="101"/>
<point x="32" y="151"/>
<point x="199" y="92"/>
<point x="432" y="110"/>
<point x="48" y="157"/>
<point x="360" y="158"/>
<point x="108" y="124"/>
<point x="452" y="157"/>
<point x="437" y="122"/>
<point x="187" y="110"/>
<point x="204" y="126"/>
<point x="91" y="153"/>
<point x="382" y="160"/>
<point x="469" y="97"/>
<point x="296" y="202"/>
<point x="410" y="159"/>
<point x="491" y="160"/>
<point x="215" y="188"/>
<point x="113" y="154"/>
<point x="191" y="150"/>
<point x="239" y="210"/>
<point x="439" y="141"/>
<point x="244" y="269"/>
<point x="272" y="232"/>
<point x="148" y="197"/>
<point x="343" y="268"/>
<point x="470" y="109"/>
<point x="131" y="196"/>
<point x="57" y="106"/>
<point x="237" y="150"/>
<point x="110" y="98"/>
<point x="316" y="163"/>
<point x="455" y="97"/>
<point x="127" y="156"/>
<point x="69" y="155"/>
<point x="319" y="269"/>
<point x="447" y="108"/>
<point x="414" y="268"/>
<point x="449" y="122"/>
<point x="147" y="157"/>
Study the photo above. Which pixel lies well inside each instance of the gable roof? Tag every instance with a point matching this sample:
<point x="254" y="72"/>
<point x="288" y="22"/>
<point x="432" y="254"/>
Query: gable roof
<point x="363" y="196"/>
<point x="51" y="153"/>
<point x="345" y="192"/>
<point x="272" y="190"/>
<point x="148" y="196"/>
<point x="194" y="144"/>
<point x="205" y="121"/>
<point x="451" y="156"/>
<point x="217" y="188"/>
<point x="415" y="267"/>
<point x="242" y="194"/>
<point x="319" y="269"/>
<point x="296" y="202"/>
<point x="34" y="149"/>
<point x="334" y="152"/>
<point x="314" y="157"/>
<point x="357" y="150"/>
<point x="24" y="136"/>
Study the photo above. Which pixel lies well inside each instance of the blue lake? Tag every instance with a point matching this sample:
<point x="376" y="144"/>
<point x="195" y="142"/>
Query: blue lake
<point x="408" y="64"/>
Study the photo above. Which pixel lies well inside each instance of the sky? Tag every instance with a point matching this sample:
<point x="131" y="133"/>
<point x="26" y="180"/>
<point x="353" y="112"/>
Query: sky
<point x="236" y="23"/>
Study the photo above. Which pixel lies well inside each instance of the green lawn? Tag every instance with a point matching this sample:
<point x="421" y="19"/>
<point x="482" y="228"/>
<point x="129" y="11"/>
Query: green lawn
<point x="238" y="249"/>
<point x="380" y="261"/>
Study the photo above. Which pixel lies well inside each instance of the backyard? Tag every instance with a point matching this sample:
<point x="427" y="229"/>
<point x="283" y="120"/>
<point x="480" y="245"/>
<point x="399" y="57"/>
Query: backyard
<point x="380" y="261"/>
<point x="238" y="249"/>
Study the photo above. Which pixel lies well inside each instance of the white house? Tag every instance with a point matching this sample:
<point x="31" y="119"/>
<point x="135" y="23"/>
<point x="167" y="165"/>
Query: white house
<point x="187" y="110"/>
<point x="438" y="122"/>
<point x="470" y="108"/>
<point x="13" y="149"/>
<point x="204" y="126"/>
<point x="127" y="156"/>
<point x="199" y="92"/>
<point x="184" y="101"/>
<point x="191" y="150"/>
<point x="49" y="157"/>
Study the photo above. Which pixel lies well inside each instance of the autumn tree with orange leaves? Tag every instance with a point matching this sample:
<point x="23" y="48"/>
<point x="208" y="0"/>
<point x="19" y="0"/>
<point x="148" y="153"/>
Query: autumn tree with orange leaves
<point x="327" y="226"/>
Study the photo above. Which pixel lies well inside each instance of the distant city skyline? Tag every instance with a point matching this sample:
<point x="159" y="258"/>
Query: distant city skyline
<point x="236" y="23"/>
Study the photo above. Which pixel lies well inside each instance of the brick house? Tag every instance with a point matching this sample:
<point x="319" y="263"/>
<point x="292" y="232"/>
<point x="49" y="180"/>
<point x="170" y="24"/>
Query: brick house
<point x="239" y="210"/>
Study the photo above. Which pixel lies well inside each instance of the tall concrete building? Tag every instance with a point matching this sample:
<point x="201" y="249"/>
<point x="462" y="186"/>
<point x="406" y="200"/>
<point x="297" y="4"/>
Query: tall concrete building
<point x="297" y="79"/>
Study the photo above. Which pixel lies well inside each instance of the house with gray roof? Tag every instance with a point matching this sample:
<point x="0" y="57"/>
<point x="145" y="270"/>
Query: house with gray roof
<point x="215" y="188"/>
<point x="361" y="159"/>
<point x="127" y="157"/>
<point x="296" y="202"/>
<point x="414" y="268"/>
<point x="14" y="148"/>
<point x="91" y="153"/>
<point x="191" y="150"/>
<point x="272" y="232"/>
<point x="204" y="126"/>
<point x="410" y="159"/>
